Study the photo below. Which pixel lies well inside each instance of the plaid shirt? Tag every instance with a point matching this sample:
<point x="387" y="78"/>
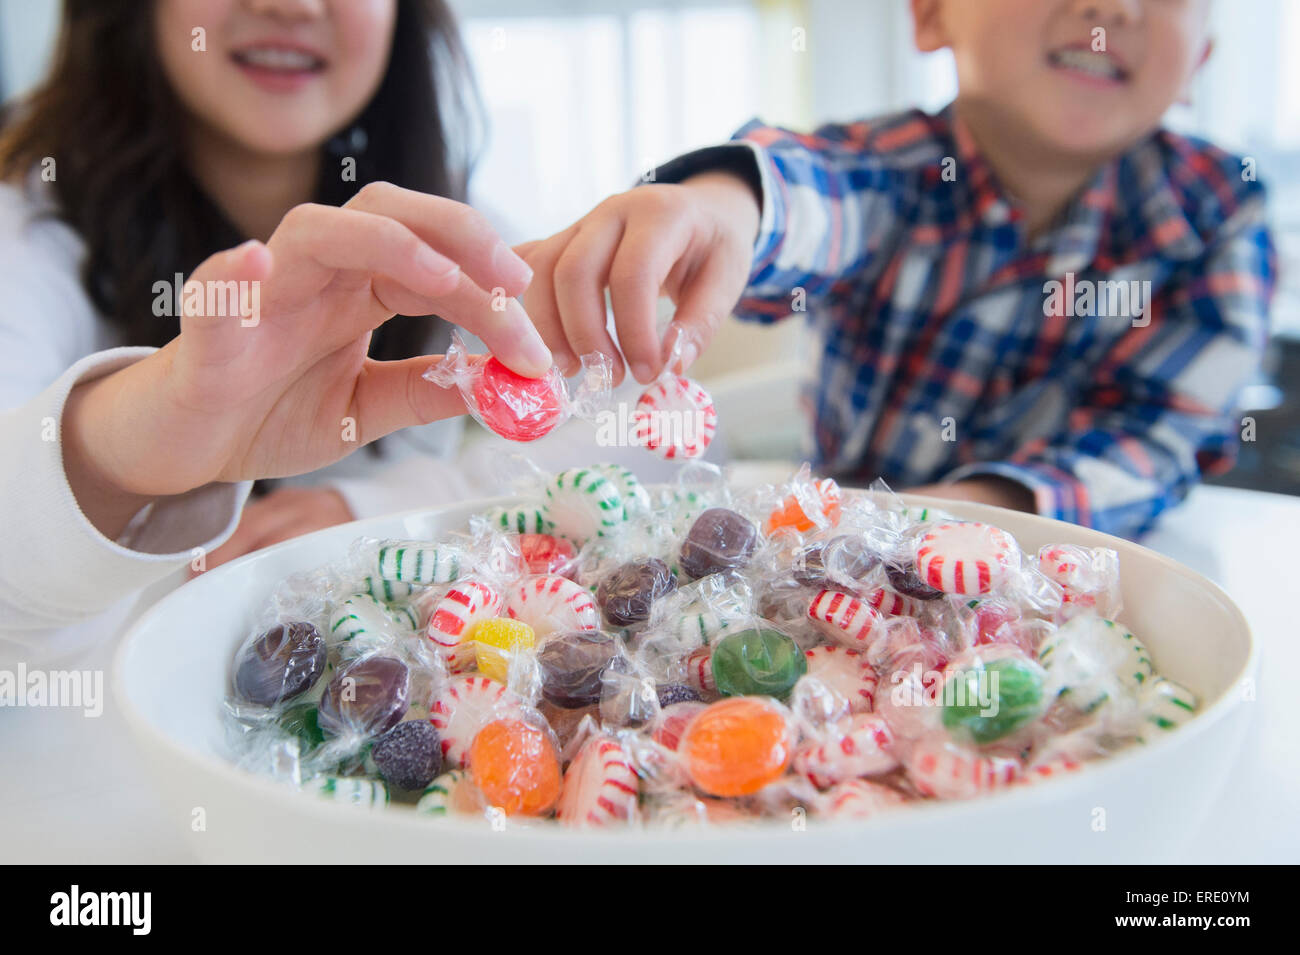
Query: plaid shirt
<point x="939" y="359"/>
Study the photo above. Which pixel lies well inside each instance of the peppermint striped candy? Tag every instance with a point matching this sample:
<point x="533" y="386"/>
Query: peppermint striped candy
<point x="365" y="623"/>
<point x="447" y="794"/>
<point x="636" y="499"/>
<point x="844" y="618"/>
<point x="600" y="786"/>
<point x="675" y="418"/>
<point x="860" y="799"/>
<point x="1164" y="706"/>
<point x="583" y="503"/>
<point x="893" y="604"/>
<point x="352" y="790"/>
<point x="521" y="518"/>
<point x="860" y="745"/>
<point x="699" y="671"/>
<point x="465" y="604"/>
<point x="416" y="562"/>
<point x="702" y="625"/>
<point x="463" y="707"/>
<point x="847" y="674"/>
<point x="549" y="603"/>
<point x="966" y="558"/>
<point x="947" y="771"/>
<point x="1050" y="769"/>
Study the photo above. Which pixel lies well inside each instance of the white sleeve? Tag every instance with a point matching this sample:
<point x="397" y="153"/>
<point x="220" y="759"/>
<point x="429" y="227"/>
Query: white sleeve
<point x="56" y="568"/>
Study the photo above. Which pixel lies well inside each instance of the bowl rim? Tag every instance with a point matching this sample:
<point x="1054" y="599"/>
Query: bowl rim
<point x="925" y="812"/>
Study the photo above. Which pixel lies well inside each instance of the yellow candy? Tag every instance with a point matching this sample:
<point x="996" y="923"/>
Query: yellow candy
<point x="496" y="638"/>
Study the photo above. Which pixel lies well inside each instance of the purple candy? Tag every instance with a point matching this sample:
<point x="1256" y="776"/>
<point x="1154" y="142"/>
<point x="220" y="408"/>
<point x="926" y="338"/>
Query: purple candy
<point x="368" y="697"/>
<point x="280" y="664"/>
<point x="626" y="595"/>
<point x="670" y="693"/>
<point x="720" y="539"/>
<point x="408" y="755"/>
<point x="573" y="665"/>
<point x="905" y="581"/>
<point x="837" y="564"/>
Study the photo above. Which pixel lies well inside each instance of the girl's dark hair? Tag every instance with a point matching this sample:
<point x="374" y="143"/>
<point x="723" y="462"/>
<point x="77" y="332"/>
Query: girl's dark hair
<point x="108" y="117"/>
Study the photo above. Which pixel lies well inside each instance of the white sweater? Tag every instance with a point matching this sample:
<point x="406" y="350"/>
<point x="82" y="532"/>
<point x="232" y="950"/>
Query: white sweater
<point x="63" y="584"/>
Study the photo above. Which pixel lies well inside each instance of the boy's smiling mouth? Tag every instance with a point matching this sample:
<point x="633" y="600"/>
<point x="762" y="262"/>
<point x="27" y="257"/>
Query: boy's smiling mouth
<point x="1082" y="62"/>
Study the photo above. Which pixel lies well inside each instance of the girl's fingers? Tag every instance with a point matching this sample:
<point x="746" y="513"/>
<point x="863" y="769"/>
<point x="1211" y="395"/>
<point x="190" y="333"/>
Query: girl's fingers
<point x="393" y="394"/>
<point x="412" y="278"/>
<point x="250" y="262"/>
<point x="458" y="231"/>
<point x="581" y="272"/>
<point x="539" y="299"/>
<point x="636" y="277"/>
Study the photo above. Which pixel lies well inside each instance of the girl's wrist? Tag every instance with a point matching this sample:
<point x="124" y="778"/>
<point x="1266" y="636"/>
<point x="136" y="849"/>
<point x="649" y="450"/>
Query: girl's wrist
<point x="102" y="457"/>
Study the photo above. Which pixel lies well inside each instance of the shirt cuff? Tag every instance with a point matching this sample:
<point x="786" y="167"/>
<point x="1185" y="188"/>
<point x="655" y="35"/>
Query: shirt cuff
<point x="1057" y="494"/>
<point x="56" y="567"/>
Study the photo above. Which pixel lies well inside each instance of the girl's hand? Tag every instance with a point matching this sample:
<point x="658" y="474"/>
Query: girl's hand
<point x="694" y="241"/>
<point x="290" y="389"/>
<point x="283" y="514"/>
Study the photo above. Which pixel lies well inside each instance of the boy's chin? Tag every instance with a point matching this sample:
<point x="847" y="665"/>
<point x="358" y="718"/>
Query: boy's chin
<point x="1086" y="135"/>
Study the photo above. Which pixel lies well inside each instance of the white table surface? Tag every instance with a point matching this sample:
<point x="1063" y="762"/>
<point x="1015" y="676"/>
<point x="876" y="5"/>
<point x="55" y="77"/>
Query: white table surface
<point x="74" y="789"/>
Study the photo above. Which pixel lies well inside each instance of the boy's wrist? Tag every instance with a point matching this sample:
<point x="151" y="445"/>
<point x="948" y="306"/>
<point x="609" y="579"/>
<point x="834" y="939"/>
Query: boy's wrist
<point x="733" y="199"/>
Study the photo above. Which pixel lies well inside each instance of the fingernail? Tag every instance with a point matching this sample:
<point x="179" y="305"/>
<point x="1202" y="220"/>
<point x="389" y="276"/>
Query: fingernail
<point x="642" y="373"/>
<point x="509" y="267"/>
<point x="689" y="354"/>
<point x="537" y="354"/>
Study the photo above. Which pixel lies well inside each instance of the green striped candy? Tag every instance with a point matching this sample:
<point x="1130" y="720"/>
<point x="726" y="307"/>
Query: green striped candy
<point x="582" y="503"/>
<point x="636" y="499"/>
<point x="523" y="519"/>
<point x="1165" y="706"/>
<point x="389" y="591"/>
<point x="352" y="790"/>
<point x="436" y="800"/>
<point x="361" y="616"/>
<point x="1088" y="655"/>
<point x="415" y="562"/>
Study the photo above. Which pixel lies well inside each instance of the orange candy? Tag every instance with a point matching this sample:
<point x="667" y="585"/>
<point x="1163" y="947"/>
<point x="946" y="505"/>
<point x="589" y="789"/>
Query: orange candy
<point x="790" y="514"/>
<point x="516" y="767"/>
<point x="737" y="746"/>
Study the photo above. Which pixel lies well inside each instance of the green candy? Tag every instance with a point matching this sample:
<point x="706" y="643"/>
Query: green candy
<point x="757" y="662"/>
<point x="299" y="721"/>
<point x="1012" y="690"/>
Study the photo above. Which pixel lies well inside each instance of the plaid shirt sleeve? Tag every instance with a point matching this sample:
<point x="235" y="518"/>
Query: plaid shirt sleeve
<point x="1161" y="410"/>
<point x="827" y="202"/>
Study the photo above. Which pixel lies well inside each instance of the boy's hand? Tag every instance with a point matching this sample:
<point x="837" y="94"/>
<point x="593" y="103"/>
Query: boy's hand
<point x="997" y="491"/>
<point x="693" y="241"/>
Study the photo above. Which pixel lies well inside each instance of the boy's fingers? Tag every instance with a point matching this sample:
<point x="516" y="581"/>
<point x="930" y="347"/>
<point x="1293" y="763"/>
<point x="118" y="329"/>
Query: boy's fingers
<point x="540" y="304"/>
<point x="707" y="299"/>
<point x="636" y="277"/>
<point x="459" y="232"/>
<point x="393" y="394"/>
<point x="580" y="275"/>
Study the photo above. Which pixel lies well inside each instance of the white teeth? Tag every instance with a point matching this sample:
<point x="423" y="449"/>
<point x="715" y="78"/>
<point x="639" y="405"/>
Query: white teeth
<point x="274" y="58"/>
<point x="1096" y="64"/>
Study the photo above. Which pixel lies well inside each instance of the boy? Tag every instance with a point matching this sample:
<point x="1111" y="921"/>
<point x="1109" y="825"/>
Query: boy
<point x="964" y="270"/>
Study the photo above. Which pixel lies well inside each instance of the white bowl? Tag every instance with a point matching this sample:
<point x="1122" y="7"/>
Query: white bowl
<point x="171" y="675"/>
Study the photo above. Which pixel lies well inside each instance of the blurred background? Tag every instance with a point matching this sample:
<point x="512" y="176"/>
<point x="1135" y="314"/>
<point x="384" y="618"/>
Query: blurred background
<point x="582" y="97"/>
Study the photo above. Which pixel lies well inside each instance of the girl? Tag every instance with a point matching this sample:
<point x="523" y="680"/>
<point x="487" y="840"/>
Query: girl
<point x="330" y="137"/>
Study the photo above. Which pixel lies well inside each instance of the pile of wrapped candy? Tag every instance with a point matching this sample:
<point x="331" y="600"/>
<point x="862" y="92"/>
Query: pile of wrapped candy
<point x="604" y="653"/>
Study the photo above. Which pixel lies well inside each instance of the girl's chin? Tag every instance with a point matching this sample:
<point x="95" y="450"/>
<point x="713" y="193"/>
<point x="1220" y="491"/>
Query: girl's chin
<point x="274" y="137"/>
